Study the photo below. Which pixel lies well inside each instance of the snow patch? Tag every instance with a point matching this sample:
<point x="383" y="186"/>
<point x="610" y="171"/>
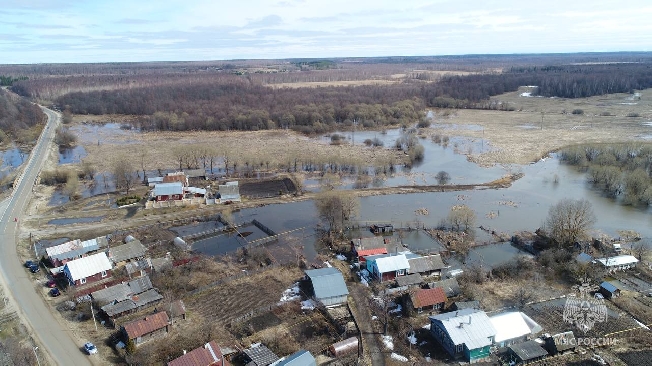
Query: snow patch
<point x="340" y="257"/>
<point x="398" y="310"/>
<point x="526" y="94"/>
<point x="398" y="357"/>
<point x="427" y="326"/>
<point x="291" y="294"/>
<point x="328" y="265"/>
<point x="308" y="305"/>
<point x="412" y="338"/>
<point x="374" y="317"/>
<point x="389" y="342"/>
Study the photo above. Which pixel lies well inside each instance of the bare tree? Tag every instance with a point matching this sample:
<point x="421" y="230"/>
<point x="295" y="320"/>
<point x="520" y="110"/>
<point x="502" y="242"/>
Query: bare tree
<point x="123" y="174"/>
<point x="337" y="208"/>
<point x="442" y="177"/>
<point x="72" y="185"/>
<point x="640" y="250"/>
<point x="522" y="297"/>
<point x="89" y="169"/>
<point x="461" y="216"/>
<point x="569" y="221"/>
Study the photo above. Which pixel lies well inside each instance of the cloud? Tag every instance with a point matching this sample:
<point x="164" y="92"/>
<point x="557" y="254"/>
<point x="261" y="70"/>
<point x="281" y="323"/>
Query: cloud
<point x="268" y="21"/>
<point x="135" y="21"/>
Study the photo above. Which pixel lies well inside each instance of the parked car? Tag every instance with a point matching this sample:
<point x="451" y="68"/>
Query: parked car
<point x="55" y="292"/>
<point x="90" y="348"/>
<point x="29" y="264"/>
<point x="34" y="268"/>
<point x="51" y="284"/>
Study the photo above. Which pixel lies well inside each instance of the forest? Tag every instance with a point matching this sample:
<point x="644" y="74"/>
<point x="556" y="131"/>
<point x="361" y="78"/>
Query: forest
<point x="18" y="119"/>
<point x="240" y="95"/>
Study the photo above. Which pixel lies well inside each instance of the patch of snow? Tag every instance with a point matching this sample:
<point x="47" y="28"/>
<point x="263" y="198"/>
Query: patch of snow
<point x="648" y="123"/>
<point x="398" y="310"/>
<point x="328" y="264"/>
<point x="412" y="338"/>
<point x="374" y="317"/>
<point x="628" y="103"/>
<point x="340" y="257"/>
<point x="526" y="94"/>
<point x="427" y="326"/>
<point x="291" y="294"/>
<point x="641" y="324"/>
<point x="528" y="127"/>
<point x="308" y="305"/>
<point x="398" y="357"/>
<point x="389" y="342"/>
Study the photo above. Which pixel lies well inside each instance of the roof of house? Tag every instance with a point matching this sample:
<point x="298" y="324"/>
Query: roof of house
<point x="195" y="173"/>
<point x="208" y="355"/>
<point x="327" y="282"/>
<point x="168" y="189"/>
<point x="72" y="249"/>
<point x="609" y="286"/>
<point x="583" y="258"/>
<point x="195" y="190"/>
<point x="469" y="326"/>
<point x="411" y="279"/>
<point x="426" y="264"/>
<point x="162" y="263"/>
<point x="619" y="260"/>
<point x="260" y="355"/>
<point x="133" y="302"/>
<point x="149" y="324"/>
<point x="474" y="304"/>
<point x="427" y="297"/>
<point x="513" y="325"/>
<point x="175" y="177"/>
<point x="562" y="341"/>
<point x="141" y="265"/>
<point x="373" y="251"/>
<point x="368" y="243"/>
<point x="528" y="350"/>
<point x="88" y="266"/>
<point x="131" y="250"/>
<point x="177" y="308"/>
<point x="450" y="286"/>
<point x="115" y="293"/>
<point x="301" y="358"/>
<point x="392" y="263"/>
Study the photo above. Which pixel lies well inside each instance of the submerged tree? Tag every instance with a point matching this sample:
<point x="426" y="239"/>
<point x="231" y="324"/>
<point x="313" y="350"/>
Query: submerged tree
<point x="337" y="209"/>
<point x="123" y="174"/>
<point x="569" y="221"/>
<point x="461" y="216"/>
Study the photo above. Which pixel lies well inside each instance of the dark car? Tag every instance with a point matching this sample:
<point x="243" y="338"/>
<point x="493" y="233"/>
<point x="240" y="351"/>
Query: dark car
<point x="34" y="268"/>
<point x="29" y="264"/>
<point x="55" y="292"/>
<point x="51" y="284"/>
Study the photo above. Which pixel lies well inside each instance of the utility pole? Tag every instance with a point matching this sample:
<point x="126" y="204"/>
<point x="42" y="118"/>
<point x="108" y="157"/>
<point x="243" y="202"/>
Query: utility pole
<point x="93" y="314"/>
<point x="542" y="113"/>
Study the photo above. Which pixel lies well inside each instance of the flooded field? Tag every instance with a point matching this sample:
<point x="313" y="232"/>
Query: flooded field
<point x="11" y="159"/>
<point x="229" y="242"/>
<point x="71" y="155"/>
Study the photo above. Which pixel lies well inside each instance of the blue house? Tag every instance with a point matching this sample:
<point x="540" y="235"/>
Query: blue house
<point x="466" y="334"/>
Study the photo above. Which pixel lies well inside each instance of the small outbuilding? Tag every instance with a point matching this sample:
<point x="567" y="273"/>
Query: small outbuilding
<point x="344" y="347"/>
<point x="450" y="286"/>
<point x="430" y="265"/>
<point x="560" y="343"/>
<point x="527" y="352"/>
<point x="583" y="258"/>
<point x="409" y="280"/>
<point x="459" y="305"/>
<point x="619" y="262"/>
<point x="609" y="290"/>
<point x="142" y="330"/>
<point x="259" y="355"/>
<point x="327" y="286"/>
<point x="513" y="327"/>
<point x="132" y="251"/>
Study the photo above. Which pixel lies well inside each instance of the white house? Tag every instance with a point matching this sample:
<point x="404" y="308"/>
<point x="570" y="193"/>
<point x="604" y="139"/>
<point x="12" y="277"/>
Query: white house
<point x="88" y="269"/>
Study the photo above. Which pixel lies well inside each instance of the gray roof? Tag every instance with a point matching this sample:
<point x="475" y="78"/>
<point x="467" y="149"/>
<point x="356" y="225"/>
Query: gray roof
<point x="135" y="302"/>
<point x="141" y="265"/>
<point x="133" y="249"/>
<point x="260" y="355"/>
<point x="162" y="263"/>
<point x="116" y="293"/>
<point x="469" y="326"/>
<point x="609" y="287"/>
<point x="194" y="173"/>
<point x="450" y="286"/>
<point x="327" y="282"/>
<point x="426" y="264"/>
<point x="168" y="189"/>
<point x="369" y="243"/>
<point x="411" y="279"/>
<point x="459" y="305"/>
<point x="140" y="284"/>
<point x="301" y="358"/>
<point x="528" y="350"/>
<point x="583" y="258"/>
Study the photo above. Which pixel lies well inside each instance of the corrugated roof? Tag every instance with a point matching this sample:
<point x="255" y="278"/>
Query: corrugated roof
<point x="261" y="355"/>
<point x="450" y="286"/>
<point x="131" y="250"/>
<point x="583" y="258"/>
<point x="72" y="249"/>
<point x="474" y="304"/>
<point x="426" y="264"/>
<point x="609" y="286"/>
<point x="469" y="326"/>
<point x="195" y="190"/>
<point x="116" y="293"/>
<point x="528" y="350"/>
<point x="208" y="355"/>
<point x="513" y="325"/>
<point x="168" y="189"/>
<point x="301" y="358"/>
<point x="392" y="263"/>
<point x="149" y="324"/>
<point x="140" y="284"/>
<point x="132" y="303"/>
<point x="428" y="297"/>
<point x="562" y="341"/>
<point x="141" y="265"/>
<point x="88" y="266"/>
<point x="411" y="279"/>
<point x="620" y="260"/>
<point x="369" y="243"/>
<point x="327" y="282"/>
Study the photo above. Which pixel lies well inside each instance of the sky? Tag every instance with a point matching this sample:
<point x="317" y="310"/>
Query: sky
<point x="56" y="31"/>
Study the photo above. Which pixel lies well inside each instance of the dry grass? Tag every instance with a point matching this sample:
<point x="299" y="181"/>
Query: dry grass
<point x="323" y="84"/>
<point x="517" y="136"/>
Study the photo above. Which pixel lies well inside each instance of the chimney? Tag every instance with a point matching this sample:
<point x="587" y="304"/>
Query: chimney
<point x="457" y="313"/>
<point x="461" y="325"/>
<point x="469" y="319"/>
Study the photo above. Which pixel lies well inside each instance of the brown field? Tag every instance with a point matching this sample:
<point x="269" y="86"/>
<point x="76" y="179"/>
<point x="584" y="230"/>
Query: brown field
<point x="323" y="84"/>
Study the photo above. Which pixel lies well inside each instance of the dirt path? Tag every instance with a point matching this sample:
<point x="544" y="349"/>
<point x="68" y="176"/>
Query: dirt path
<point x="372" y="348"/>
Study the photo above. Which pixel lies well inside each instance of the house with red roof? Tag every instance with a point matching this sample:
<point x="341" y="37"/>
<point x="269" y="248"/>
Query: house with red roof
<point x="428" y="299"/>
<point x="208" y="355"/>
<point x="142" y="330"/>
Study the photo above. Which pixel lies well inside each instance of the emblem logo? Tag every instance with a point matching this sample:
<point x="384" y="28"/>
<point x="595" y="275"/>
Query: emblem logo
<point x="584" y="311"/>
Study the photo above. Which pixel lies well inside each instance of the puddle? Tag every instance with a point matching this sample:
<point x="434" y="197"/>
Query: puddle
<point x="11" y="159"/>
<point x="72" y="155"/>
<point x="647" y="123"/>
<point x="78" y="220"/>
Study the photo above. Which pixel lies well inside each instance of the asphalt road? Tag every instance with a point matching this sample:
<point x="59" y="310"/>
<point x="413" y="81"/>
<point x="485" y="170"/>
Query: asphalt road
<point x="54" y="337"/>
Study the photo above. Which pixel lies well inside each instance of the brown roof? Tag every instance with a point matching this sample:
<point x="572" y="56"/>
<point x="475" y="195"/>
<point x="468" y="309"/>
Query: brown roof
<point x="428" y="297"/>
<point x="177" y="308"/>
<point x="208" y="355"/>
<point x="151" y="323"/>
<point x="175" y="178"/>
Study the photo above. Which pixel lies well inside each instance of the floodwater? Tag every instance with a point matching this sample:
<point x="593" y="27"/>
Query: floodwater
<point x="103" y="183"/>
<point x="11" y="159"/>
<point x="72" y="155"/>
<point x="228" y="242"/>
<point x="96" y="133"/>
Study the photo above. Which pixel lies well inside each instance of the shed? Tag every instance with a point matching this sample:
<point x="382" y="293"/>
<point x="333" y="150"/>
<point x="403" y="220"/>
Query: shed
<point x="140" y="331"/>
<point x="526" y="352"/>
<point x="152" y="181"/>
<point x="428" y="299"/>
<point x="259" y="355"/>
<point x="619" y="262"/>
<point x="409" y="280"/>
<point x="560" y="343"/>
<point x="328" y="286"/>
<point x="126" y="252"/>
<point x="513" y="327"/>
<point x="609" y="290"/>
<point x="301" y="358"/>
<point x="178" y="310"/>
<point x="450" y="286"/>
<point x="91" y="268"/>
<point x="139" y="268"/>
<point x="344" y="347"/>
<point x="427" y="266"/>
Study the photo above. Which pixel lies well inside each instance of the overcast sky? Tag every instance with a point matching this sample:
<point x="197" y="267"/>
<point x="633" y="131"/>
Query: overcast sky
<point x="41" y="31"/>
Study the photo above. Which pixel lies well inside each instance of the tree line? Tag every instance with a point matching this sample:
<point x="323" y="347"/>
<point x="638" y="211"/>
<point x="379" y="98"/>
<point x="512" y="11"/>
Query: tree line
<point x="17" y="118"/>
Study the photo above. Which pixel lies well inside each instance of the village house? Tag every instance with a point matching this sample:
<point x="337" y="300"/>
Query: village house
<point x="88" y="269"/>
<point x="300" y="358"/>
<point x="619" y="262"/>
<point x="132" y="251"/>
<point x="59" y="255"/>
<point x="466" y="334"/>
<point x="168" y="191"/>
<point x="450" y="286"/>
<point x="327" y="286"/>
<point x="427" y="299"/>
<point x="583" y="258"/>
<point x="459" y="305"/>
<point x="609" y="290"/>
<point x="527" y="352"/>
<point x="404" y="282"/>
<point x="126" y="298"/>
<point x="208" y="355"/>
<point x="427" y="266"/>
<point x="513" y="327"/>
<point x="365" y="244"/>
<point x="386" y="267"/>
<point x="150" y="327"/>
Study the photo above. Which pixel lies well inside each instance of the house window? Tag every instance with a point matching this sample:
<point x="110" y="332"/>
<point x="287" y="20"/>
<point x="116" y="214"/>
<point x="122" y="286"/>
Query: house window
<point x="82" y="281"/>
<point x="103" y="274"/>
<point x="458" y="348"/>
<point x="419" y="310"/>
<point x="400" y="272"/>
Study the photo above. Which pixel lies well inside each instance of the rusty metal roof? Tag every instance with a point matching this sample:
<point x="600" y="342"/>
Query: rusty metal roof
<point x="149" y="324"/>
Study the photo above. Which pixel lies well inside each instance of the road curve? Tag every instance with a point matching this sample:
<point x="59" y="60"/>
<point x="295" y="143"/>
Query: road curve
<point x="54" y="337"/>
